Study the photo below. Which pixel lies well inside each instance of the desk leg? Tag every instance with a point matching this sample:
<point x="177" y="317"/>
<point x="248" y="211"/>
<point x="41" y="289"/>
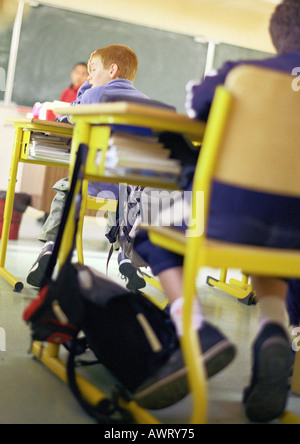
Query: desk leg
<point x="9" y="203"/>
<point x="79" y="236"/>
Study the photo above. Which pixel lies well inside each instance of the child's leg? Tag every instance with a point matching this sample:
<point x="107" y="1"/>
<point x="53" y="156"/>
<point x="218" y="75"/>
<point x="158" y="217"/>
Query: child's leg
<point x="172" y="282"/>
<point x="265" y="399"/>
<point x="217" y="350"/>
<point x="271" y="295"/>
<point x="50" y="228"/>
<point x="293" y="302"/>
<point x="49" y="233"/>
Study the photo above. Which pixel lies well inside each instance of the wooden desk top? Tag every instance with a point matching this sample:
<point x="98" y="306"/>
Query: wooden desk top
<point x="119" y="108"/>
<point x="121" y="112"/>
<point x="25" y="121"/>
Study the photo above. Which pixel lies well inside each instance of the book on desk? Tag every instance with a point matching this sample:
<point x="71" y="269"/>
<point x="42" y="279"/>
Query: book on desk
<point x="127" y="153"/>
<point x="141" y="155"/>
<point x="49" y="148"/>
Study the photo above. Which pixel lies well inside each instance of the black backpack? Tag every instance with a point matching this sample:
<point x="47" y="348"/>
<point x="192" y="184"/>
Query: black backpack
<point x="128" y="334"/>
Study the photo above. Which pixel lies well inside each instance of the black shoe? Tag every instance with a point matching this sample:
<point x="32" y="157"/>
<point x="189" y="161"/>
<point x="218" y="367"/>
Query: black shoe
<point x="170" y="384"/>
<point x="218" y="351"/>
<point x="266" y="398"/>
<point x="38" y="270"/>
<point x="132" y="275"/>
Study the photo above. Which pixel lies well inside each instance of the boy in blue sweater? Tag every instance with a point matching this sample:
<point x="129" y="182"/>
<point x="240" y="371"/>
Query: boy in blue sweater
<point x="112" y="71"/>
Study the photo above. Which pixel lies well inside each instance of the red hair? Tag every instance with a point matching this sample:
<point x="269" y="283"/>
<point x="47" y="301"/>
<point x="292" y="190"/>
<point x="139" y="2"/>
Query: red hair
<point x="122" y="56"/>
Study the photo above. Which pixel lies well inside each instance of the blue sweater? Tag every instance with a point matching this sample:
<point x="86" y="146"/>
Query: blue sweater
<point x="88" y="95"/>
<point x="200" y="96"/>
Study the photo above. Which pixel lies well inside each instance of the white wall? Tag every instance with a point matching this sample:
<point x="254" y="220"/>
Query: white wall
<point x="7" y="132"/>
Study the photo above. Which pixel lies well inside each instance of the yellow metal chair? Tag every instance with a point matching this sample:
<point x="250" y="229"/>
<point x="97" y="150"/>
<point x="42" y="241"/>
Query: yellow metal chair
<point x="251" y="140"/>
<point x="91" y="203"/>
<point x="240" y="289"/>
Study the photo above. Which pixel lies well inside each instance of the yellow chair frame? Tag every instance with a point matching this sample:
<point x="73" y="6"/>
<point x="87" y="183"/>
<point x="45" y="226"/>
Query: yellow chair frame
<point x="241" y="290"/>
<point x="241" y="138"/>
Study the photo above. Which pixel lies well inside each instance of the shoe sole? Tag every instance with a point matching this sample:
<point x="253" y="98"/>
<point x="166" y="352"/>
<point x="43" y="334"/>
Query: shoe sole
<point x="35" y="277"/>
<point x="267" y="400"/>
<point x="175" y="387"/>
<point x="134" y="281"/>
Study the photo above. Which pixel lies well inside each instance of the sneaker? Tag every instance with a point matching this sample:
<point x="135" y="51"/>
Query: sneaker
<point x="170" y="384"/>
<point x="38" y="270"/>
<point x="133" y="276"/>
<point x="266" y="398"/>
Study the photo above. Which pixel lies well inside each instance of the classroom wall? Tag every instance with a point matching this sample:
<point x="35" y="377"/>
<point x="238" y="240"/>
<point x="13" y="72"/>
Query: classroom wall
<point x="237" y="22"/>
<point x="7" y="132"/>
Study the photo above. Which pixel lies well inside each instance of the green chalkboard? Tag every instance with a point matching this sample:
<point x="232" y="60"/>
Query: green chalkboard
<point x="226" y="52"/>
<point x="53" y="40"/>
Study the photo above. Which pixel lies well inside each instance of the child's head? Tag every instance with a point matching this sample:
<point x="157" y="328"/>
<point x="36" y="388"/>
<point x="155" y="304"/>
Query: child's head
<point x="79" y="74"/>
<point x="112" y="62"/>
<point x="285" y="26"/>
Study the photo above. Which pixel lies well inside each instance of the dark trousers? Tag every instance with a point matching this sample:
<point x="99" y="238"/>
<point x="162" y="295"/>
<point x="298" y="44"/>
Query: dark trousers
<point x="244" y="217"/>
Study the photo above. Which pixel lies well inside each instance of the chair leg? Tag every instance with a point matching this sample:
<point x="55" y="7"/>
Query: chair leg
<point x="241" y="290"/>
<point x="79" y="237"/>
<point x="190" y="340"/>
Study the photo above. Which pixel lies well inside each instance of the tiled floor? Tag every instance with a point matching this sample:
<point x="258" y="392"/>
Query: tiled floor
<point x="30" y="394"/>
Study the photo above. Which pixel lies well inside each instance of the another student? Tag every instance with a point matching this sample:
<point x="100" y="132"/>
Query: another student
<point x="265" y="399"/>
<point x="112" y="71"/>
<point x="79" y="76"/>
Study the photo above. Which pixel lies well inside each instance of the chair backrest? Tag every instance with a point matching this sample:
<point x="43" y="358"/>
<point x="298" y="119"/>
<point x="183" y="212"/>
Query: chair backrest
<point x="260" y="144"/>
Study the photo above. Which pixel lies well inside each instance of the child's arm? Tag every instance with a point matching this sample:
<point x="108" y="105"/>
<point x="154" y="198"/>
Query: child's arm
<point x="200" y="96"/>
<point x="91" y="95"/>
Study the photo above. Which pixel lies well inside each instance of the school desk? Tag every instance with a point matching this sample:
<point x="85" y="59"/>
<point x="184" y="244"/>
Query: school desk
<point x="92" y="129"/>
<point x="24" y="128"/>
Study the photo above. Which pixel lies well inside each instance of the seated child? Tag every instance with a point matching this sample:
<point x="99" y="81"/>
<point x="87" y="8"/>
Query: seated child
<point x="265" y="398"/>
<point x="79" y="76"/>
<point x="112" y="71"/>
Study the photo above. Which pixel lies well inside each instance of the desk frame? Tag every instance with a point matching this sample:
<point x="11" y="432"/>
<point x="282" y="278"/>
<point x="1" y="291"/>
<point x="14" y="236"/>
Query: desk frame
<point x="126" y="114"/>
<point x="19" y="154"/>
<point x="86" y="118"/>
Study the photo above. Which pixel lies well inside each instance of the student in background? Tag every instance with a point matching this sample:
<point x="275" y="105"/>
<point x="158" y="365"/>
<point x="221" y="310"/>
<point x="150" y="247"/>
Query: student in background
<point x="112" y="71"/>
<point x="242" y="216"/>
<point x="79" y="76"/>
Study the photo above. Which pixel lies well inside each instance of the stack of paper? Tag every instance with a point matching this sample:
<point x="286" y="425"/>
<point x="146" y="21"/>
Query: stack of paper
<point x="129" y="153"/>
<point x="49" y="148"/>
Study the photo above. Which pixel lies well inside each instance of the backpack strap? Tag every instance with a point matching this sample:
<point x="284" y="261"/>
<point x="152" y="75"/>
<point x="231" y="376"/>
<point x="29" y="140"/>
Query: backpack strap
<point x="77" y="175"/>
<point x="107" y="411"/>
